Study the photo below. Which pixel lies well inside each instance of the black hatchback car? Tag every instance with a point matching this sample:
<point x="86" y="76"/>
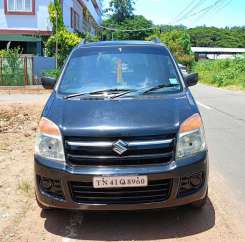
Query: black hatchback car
<point x="121" y="131"/>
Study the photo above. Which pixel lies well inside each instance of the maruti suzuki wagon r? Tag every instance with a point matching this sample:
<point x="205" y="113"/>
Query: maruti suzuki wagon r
<point x="121" y="131"/>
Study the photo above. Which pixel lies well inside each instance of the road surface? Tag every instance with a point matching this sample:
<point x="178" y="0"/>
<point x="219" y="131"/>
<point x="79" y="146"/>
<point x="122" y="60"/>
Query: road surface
<point x="223" y="112"/>
<point x="222" y="219"/>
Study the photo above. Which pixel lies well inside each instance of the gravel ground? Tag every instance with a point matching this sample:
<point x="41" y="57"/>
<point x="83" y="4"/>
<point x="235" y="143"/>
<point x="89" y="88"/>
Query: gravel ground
<point x="22" y="220"/>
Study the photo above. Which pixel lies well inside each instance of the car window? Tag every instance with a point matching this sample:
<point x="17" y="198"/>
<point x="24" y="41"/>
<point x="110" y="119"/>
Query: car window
<point x="92" y="69"/>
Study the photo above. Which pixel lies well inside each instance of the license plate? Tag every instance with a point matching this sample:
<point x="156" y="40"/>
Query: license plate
<point x="119" y="181"/>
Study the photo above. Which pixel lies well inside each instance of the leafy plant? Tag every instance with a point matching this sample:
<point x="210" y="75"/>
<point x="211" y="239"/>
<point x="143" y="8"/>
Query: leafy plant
<point x="132" y="23"/>
<point x="13" y="58"/>
<point x="55" y="11"/>
<point x="55" y="73"/>
<point x="66" y="41"/>
<point x="227" y="72"/>
<point x="3" y="53"/>
<point x="13" y="69"/>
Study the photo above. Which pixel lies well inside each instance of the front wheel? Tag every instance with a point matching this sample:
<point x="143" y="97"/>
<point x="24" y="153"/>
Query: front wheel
<point x="200" y="203"/>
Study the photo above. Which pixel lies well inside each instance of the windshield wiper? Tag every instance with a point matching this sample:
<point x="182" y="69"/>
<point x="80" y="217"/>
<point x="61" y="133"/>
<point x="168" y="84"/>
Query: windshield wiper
<point x="145" y="90"/>
<point x="160" y="86"/>
<point x="123" y="90"/>
<point x="97" y="92"/>
<point x="123" y="93"/>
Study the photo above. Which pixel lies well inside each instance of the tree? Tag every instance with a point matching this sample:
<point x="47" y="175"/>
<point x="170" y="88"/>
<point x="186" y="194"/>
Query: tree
<point x="133" y="23"/>
<point x="167" y="28"/>
<point x="120" y="10"/>
<point x="218" y="37"/>
<point x="55" y="11"/>
<point x="179" y="42"/>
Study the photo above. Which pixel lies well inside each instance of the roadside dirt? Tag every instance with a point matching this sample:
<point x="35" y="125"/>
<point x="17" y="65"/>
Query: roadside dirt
<point x="21" y="90"/>
<point x="18" y="124"/>
<point x="22" y="220"/>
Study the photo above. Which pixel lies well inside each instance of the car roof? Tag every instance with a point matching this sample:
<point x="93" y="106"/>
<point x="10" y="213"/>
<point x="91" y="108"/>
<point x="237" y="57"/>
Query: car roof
<point x="120" y="43"/>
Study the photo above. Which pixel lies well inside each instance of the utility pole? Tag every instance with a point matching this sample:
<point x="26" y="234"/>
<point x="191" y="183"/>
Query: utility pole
<point x="56" y="44"/>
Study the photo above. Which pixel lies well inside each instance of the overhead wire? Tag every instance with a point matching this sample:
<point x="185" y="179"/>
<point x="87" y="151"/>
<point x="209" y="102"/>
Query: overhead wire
<point x="190" y="11"/>
<point x="184" y="10"/>
<point x="203" y="10"/>
<point x="214" y="11"/>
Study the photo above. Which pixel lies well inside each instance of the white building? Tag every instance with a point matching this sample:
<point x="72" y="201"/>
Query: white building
<point x="216" y="52"/>
<point x="82" y="15"/>
<point x="25" y="22"/>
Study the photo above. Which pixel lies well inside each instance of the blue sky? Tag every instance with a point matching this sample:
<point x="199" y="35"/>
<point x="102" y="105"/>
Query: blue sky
<point x="224" y="13"/>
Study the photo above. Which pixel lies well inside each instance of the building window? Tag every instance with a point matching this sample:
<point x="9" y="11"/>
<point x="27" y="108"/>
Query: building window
<point x="74" y="20"/>
<point x="25" y="7"/>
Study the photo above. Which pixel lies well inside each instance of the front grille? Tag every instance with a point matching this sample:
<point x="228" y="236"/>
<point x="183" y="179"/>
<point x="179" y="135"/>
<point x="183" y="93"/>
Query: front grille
<point x="156" y="191"/>
<point x="100" y="152"/>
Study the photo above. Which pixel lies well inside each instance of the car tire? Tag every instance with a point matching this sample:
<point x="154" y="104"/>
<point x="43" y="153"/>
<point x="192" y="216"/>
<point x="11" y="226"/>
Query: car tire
<point x="200" y="203"/>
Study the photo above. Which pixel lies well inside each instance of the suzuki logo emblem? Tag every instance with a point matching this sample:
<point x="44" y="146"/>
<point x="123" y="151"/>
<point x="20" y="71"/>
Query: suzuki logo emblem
<point x="120" y="147"/>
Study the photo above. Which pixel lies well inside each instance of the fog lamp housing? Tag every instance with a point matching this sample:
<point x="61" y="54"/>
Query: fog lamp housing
<point x="196" y="180"/>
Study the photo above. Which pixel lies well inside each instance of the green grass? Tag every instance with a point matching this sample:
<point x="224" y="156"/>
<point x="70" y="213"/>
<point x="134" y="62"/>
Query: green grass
<point x="222" y="73"/>
<point x="25" y="186"/>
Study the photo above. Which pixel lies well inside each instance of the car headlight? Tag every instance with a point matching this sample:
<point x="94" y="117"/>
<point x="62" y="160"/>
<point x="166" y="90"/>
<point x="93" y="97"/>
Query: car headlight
<point x="49" y="143"/>
<point x="191" y="138"/>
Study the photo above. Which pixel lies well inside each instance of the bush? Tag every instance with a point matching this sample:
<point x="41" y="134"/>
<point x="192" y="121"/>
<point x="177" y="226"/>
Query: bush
<point x="66" y="42"/>
<point x="13" y="68"/>
<point x="228" y="72"/>
<point x="55" y="73"/>
<point x="3" y="53"/>
<point x="13" y="58"/>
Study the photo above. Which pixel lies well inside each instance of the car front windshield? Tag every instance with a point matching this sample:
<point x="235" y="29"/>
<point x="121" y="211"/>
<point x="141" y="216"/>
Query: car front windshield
<point x="119" y="68"/>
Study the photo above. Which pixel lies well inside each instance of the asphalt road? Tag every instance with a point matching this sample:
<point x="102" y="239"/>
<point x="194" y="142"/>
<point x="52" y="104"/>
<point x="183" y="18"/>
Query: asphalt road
<point x="223" y="112"/>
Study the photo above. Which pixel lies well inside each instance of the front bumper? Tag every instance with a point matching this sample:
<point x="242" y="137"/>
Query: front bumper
<point x="175" y="171"/>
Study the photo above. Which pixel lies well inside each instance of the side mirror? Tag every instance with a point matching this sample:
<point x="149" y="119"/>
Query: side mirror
<point x="191" y="79"/>
<point x="48" y="82"/>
